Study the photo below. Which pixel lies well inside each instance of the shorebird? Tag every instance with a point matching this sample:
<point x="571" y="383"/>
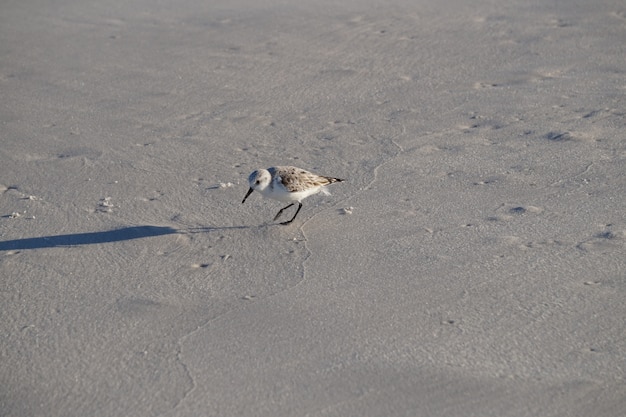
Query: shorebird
<point x="287" y="184"/>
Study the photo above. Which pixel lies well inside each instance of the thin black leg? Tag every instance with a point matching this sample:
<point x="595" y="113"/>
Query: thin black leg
<point x="281" y="211"/>
<point x="294" y="216"/>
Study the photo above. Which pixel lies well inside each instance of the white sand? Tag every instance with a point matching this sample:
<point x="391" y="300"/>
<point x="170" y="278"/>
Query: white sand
<point x="482" y="270"/>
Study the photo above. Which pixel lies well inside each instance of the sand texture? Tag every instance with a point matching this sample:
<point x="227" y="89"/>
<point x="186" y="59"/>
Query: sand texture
<point x="472" y="264"/>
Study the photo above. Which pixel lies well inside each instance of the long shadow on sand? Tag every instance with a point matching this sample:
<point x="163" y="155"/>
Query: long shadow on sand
<point x="91" y="238"/>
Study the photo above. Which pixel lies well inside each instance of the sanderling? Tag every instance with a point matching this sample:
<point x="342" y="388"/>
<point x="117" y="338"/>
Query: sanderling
<point x="287" y="183"/>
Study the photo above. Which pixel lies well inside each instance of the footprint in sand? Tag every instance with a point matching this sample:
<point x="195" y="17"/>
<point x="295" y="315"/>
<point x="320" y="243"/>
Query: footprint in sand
<point x="607" y="239"/>
<point x="508" y="212"/>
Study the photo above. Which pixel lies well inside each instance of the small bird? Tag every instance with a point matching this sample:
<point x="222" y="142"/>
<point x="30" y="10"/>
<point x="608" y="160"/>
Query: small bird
<point x="287" y="183"/>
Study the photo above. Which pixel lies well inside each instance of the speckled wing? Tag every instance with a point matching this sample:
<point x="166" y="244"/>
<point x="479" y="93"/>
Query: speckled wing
<point x="297" y="179"/>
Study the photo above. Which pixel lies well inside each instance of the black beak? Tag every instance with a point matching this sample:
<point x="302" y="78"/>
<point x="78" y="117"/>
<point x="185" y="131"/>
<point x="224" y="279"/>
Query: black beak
<point x="247" y="194"/>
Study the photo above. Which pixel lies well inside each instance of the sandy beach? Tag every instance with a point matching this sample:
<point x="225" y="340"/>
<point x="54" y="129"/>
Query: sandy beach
<point x="473" y="263"/>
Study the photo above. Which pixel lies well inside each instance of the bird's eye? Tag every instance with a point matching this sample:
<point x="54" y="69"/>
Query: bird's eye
<point x="258" y="182"/>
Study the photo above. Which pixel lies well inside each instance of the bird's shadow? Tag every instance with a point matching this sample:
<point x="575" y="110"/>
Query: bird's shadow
<point x="108" y="236"/>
